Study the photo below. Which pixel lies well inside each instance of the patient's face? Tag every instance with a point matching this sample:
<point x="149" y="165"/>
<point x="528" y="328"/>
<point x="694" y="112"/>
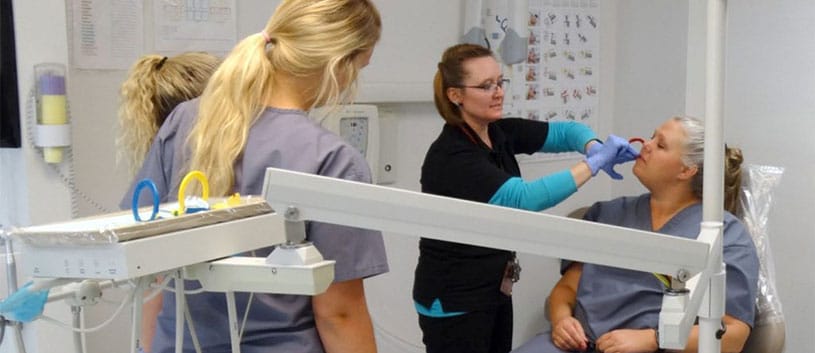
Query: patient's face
<point x="660" y="160"/>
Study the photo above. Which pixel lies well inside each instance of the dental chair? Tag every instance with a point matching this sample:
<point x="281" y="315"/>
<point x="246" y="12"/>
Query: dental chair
<point x="768" y="338"/>
<point x="769" y="331"/>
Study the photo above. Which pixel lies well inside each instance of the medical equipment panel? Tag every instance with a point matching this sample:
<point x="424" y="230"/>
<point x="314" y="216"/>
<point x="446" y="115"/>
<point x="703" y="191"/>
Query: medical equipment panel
<point x="115" y="247"/>
<point x="357" y="124"/>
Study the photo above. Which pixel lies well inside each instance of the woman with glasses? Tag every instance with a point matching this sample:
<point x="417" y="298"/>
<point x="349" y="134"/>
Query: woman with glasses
<point x="462" y="292"/>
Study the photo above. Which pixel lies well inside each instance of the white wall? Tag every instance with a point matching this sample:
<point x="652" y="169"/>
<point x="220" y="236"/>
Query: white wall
<point x="769" y="110"/>
<point x="649" y="82"/>
<point x="38" y="40"/>
<point x="30" y="191"/>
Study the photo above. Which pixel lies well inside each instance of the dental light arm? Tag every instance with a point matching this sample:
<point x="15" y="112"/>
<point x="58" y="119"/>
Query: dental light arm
<point x="368" y="206"/>
<point x="386" y="209"/>
<point x="678" y="311"/>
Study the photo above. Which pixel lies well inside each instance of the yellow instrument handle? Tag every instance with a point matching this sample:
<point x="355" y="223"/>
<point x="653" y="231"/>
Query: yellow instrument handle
<point x="195" y="174"/>
<point x="664" y="279"/>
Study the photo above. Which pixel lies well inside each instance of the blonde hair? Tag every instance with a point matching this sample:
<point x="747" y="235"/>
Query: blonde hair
<point x="154" y="86"/>
<point x="306" y="39"/>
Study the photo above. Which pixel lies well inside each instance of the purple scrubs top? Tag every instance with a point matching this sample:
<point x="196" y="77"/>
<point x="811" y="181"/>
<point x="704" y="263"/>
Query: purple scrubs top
<point x="286" y="139"/>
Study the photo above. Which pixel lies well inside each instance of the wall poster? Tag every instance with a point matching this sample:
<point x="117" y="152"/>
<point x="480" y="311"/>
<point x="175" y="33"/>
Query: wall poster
<point x="559" y="79"/>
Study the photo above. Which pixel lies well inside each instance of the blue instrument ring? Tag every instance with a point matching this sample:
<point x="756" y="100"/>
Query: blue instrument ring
<point x="154" y="190"/>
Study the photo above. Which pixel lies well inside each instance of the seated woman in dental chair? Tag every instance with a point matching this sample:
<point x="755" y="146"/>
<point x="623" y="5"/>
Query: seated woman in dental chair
<point x="596" y="308"/>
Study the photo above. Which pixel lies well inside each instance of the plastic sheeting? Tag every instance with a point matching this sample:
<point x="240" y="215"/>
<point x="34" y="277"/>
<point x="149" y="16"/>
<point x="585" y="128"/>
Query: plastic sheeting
<point x="756" y="200"/>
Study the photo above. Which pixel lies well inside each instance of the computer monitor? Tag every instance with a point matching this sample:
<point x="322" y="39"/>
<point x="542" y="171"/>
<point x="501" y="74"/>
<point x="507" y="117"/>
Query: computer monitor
<point x="9" y="103"/>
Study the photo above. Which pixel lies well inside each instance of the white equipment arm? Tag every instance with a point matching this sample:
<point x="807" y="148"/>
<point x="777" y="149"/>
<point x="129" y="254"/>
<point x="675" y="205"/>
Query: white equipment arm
<point x="369" y="206"/>
<point x="318" y="198"/>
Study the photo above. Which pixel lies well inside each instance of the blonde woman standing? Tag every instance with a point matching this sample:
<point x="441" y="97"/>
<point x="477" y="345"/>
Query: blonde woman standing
<point x="253" y="115"/>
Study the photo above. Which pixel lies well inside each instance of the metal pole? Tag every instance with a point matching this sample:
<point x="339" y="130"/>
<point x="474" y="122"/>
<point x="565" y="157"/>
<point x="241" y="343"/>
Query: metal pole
<point x="712" y="310"/>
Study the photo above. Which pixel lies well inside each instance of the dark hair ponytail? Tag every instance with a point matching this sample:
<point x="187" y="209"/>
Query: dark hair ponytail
<point x="450" y="74"/>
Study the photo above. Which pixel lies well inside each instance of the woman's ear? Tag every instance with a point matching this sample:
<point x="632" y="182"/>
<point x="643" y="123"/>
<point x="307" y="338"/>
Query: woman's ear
<point x="688" y="173"/>
<point x="454" y="95"/>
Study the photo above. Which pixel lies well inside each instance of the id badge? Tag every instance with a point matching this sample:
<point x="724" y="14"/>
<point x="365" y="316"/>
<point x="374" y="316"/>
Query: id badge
<point x="512" y="273"/>
<point x="506" y="282"/>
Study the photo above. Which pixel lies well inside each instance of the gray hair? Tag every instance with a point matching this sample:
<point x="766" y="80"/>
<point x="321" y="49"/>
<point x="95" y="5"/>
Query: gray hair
<point x="694" y="149"/>
<point x="694" y="140"/>
<point x="694" y="156"/>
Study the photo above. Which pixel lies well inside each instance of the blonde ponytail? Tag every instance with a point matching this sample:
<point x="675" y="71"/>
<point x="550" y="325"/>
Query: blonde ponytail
<point x="304" y="39"/>
<point x="230" y="104"/>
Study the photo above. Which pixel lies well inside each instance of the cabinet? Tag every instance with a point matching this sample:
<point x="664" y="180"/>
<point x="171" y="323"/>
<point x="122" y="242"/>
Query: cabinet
<point x="414" y="35"/>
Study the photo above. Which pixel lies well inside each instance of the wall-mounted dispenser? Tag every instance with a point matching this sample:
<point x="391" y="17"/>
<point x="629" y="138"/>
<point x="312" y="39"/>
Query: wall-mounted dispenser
<point x="52" y="132"/>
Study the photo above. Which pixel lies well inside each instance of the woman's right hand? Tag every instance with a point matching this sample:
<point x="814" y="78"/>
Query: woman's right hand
<point x="568" y="335"/>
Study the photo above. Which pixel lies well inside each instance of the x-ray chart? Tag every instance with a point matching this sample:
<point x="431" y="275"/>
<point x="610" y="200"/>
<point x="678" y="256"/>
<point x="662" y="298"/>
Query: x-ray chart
<point x="207" y="25"/>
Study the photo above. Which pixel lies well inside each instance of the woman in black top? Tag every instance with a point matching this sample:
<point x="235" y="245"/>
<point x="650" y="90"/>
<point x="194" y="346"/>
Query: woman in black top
<point x="462" y="292"/>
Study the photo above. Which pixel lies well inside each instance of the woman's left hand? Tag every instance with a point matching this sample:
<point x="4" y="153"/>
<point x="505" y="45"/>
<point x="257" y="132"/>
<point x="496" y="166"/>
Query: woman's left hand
<point x="628" y="341"/>
<point x="605" y="156"/>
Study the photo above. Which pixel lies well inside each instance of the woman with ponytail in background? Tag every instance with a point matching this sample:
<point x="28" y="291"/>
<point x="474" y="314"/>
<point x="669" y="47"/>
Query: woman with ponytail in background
<point x="154" y="85"/>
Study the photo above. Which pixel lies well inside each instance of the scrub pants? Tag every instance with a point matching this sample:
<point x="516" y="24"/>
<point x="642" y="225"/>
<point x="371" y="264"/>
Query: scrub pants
<point x="483" y="331"/>
<point x="542" y="343"/>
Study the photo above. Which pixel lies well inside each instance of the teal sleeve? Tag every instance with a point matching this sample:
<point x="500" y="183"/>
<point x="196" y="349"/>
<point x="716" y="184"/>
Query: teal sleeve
<point x="535" y="195"/>
<point x="567" y="136"/>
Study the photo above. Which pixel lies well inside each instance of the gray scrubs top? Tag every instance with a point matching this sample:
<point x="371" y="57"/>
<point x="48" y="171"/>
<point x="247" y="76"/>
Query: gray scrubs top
<point x="613" y="298"/>
<point x="285" y="139"/>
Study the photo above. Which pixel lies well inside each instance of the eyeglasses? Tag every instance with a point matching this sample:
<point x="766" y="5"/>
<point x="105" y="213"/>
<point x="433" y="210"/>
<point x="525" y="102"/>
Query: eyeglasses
<point x="489" y="87"/>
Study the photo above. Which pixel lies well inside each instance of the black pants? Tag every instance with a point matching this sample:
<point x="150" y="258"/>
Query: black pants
<point x="486" y="331"/>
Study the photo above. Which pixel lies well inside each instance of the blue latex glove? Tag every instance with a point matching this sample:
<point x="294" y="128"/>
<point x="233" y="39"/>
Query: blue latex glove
<point x="605" y="156"/>
<point x="626" y="154"/>
<point x="24" y="305"/>
<point x="594" y="148"/>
